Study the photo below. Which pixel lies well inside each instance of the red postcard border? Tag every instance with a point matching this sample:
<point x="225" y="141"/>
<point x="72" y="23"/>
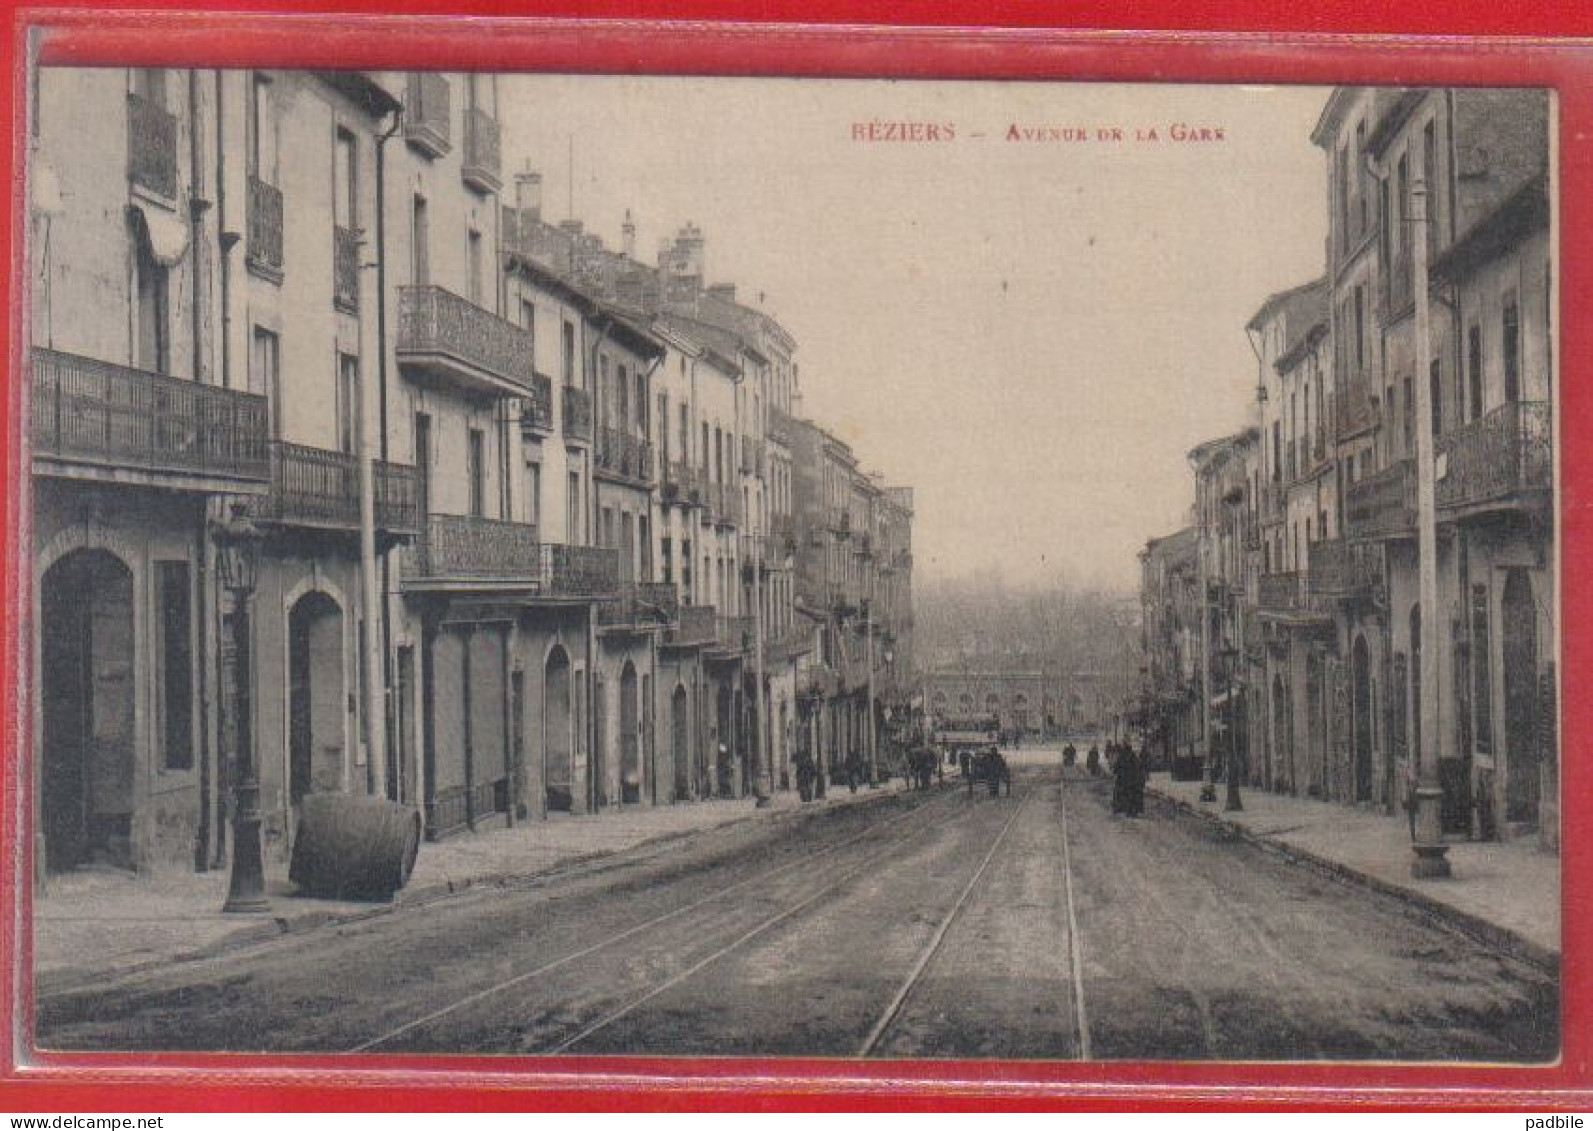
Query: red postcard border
<point x="843" y="41"/>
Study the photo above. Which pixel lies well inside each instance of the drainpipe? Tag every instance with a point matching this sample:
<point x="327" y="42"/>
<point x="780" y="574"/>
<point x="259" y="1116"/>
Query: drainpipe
<point x="226" y="241"/>
<point x="376" y="648"/>
<point x="196" y="209"/>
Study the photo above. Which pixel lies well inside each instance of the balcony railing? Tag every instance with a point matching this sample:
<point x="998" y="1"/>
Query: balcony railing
<point x="647" y="603"/>
<point x="265" y="225"/>
<point x="733" y="633"/>
<point x="151" y="146"/>
<point x="1383" y="505"/>
<point x="438" y="328"/>
<point x="780" y="427"/>
<point x="695" y="624"/>
<point x="680" y="482"/>
<point x="577" y="413"/>
<point x="317" y="487"/>
<point x="465" y="547"/>
<point x="579" y="571"/>
<point x="96" y="412"/>
<point x="620" y="453"/>
<point x="1279" y="592"/>
<point x="752" y="457"/>
<point x="345" y="269"/>
<point x="536" y="414"/>
<point x="1340" y="569"/>
<point x="1354" y="408"/>
<point x="724" y="503"/>
<point x="1497" y="456"/>
<point x="481" y="169"/>
<point x="426" y="113"/>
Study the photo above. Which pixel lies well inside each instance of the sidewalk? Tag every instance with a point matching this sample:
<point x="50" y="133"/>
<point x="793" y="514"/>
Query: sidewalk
<point x="1507" y="892"/>
<point x="91" y="924"/>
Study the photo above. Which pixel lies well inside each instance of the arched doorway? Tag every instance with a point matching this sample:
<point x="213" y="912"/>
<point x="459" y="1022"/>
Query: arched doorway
<point x="679" y="744"/>
<point x="87" y="691"/>
<point x="629" y="738"/>
<point x="1316" y="727"/>
<point x="964" y="705"/>
<point x="1020" y="713"/>
<point x="1361" y="717"/>
<point x="557" y="748"/>
<point x="1520" y="657"/>
<point x="316" y="696"/>
<point x="1282" y="740"/>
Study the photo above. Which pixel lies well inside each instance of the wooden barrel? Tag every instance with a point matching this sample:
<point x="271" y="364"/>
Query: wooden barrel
<point x="350" y="846"/>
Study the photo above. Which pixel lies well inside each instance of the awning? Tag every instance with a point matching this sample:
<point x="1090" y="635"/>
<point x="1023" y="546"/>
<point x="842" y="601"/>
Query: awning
<point x="167" y="235"/>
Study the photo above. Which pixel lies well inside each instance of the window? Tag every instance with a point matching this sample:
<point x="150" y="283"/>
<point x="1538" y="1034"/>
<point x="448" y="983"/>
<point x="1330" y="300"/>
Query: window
<point x="685" y="433"/>
<point x="1474" y="370"/>
<point x="572" y="510"/>
<point x="667" y="559"/>
<point x="265" y="375"/>
<point x="685" y="567"/>
<point x="533" y="493"/>
<point x="1430" y="176"/>
<point x="1344" y="199"/>
<point x="1360" y="157"/>
<point x="569" y="354"/>
<point x="528" y="323"/>
<point x="473" y="265"/>
<point x="262" y="131"/>
<point x="1360" y="331"/>
<point x="622" y="406"/>
<point x="1511" y="348"/>
<point x="420" y="243"/>
<point x="476" y="472"/>
<point x="153" y="285"/>
<point x="176" y="666"/>
<point x="150" y="85"/>
<point x="345" y="183"/>
<point x="1435" y="395"/>
<point x="348" y="403"/>
<point x="641" y="404"/>
<point x="1409" y="416"/>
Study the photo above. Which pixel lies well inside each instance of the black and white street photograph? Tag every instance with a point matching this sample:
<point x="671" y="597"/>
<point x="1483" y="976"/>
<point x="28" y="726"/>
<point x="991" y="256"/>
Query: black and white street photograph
<point x="582" y="565"/>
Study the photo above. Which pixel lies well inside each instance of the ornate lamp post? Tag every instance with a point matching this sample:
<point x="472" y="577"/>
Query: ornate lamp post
<point x="238" y="562"/>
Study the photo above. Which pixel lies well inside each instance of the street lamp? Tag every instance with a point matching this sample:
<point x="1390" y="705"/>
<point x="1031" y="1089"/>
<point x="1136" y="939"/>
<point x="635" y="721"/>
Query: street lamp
<point x="1230" y="664"/>
<point x="238" y="563"/>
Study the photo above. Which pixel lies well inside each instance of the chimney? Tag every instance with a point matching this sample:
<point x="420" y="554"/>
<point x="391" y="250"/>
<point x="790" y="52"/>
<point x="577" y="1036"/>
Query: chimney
<point x="629" y="232"/>
<point x="528" y="196"/>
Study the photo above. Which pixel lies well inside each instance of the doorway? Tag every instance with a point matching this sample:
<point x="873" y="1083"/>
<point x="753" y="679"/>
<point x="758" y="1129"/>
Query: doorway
<point x="678" y="743"/>
<point x="1361" y="717"/>
<point x="557" y="749"/>
<point x="315" y="697"/>
<point x="87" y="693"/>
<point x="1520" y="658"/>
<point x="630" y="749"/>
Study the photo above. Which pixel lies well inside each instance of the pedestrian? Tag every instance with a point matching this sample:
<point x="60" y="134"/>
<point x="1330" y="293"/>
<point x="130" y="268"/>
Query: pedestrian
<point x="1070" y="755"/>
<point x="1410" y="777"/>
<point x="1128" y="786"/>
<point x="724" y="770"/>
<point x="1092" y="761"/>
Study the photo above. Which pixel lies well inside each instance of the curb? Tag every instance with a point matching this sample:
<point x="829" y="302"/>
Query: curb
<point x="1473" y="926"/>
<point x="73" y="980"/>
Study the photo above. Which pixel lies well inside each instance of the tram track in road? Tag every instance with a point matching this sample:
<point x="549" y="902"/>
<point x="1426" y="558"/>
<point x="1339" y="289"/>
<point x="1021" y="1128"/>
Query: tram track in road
<point x="521" y="979"/>
<point x="883" y="1024"/>
<point x="747" y="949"/>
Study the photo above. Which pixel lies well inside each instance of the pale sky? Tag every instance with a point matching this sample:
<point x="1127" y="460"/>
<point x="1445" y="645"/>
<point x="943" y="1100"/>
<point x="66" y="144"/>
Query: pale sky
<point x="1032" y="334"/>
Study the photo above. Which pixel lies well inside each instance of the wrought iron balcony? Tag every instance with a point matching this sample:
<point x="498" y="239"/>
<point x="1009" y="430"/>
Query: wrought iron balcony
<point x="320" y="488"/>
<point x="724" y="503"/>
<point x="1279" y="592"/>
<point x="619" y="453"/>
<point x="1344" y="570"/>
<point x="481" y="169"/>
<point x="680" y="482"/>
<point x="781" y="430"/>
<point x="1382" y="505"/>
<point x="151" y="146"/>
<point x="649" y="603"/>
<point x="453" y="339"/>
<point x="536" y="414"/>
<point x="89" y="412"/>
<point x="345" y="269"/>
<point x="1496" y="458"/>
<point x="426" y="113"/>
<point x="695" y="624"/>
<point x="752" y="457"/>
<point x="734" y="634"/>
<point x="579" y="571"/>
<point x="577" y="413"/>
<point x="462" y="547"/>
<point x="265" y="225"/>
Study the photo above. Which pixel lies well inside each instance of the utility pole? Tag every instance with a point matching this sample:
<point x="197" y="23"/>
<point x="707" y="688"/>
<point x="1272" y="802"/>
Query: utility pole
<point x="1429" y="860"/>
<point x="1208" y="787"/>
<point x="763" y="778"/>
<point x="868" y="626"/>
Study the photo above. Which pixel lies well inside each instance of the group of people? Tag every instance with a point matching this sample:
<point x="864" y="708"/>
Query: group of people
<point x="1128" y="772"/>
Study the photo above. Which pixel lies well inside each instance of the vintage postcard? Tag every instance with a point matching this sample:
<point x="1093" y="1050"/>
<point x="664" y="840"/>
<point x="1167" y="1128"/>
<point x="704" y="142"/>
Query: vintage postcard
<point x="581" y="565"/>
